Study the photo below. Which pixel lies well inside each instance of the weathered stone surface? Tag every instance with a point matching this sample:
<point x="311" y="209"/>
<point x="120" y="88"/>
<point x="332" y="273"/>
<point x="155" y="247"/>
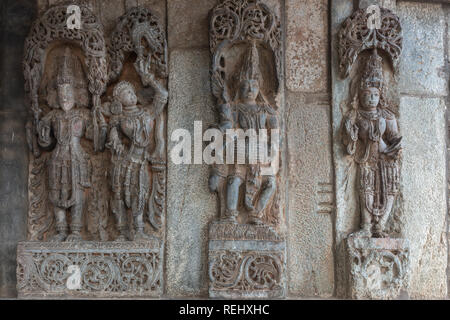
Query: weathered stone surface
<point x="189" y="23"/>
<point x="423" y="64"/>
<point x="90" y="269"/>
<point x="306" y="45"/>
<point x="378" y="267"/>
<point x="311" y="199"/>
<point x="346" y="219"/>
<point x="190" y="205"/>
<point x="388" y="4"/>
<point x="16" y="17"/>
<point x="422" y="211"/>
<point x="249" y="264"/>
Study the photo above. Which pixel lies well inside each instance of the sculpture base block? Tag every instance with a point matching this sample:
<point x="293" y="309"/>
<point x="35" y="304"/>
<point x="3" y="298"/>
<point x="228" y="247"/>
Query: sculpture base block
<point x="245" y="261"/>
<point x="89" y="269"/>
<point x="378" y="267"/>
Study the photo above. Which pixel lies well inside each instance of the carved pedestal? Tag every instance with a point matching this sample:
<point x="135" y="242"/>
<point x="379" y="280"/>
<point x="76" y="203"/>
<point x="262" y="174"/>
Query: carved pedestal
<point x="378" y="267"/>
<point x="89" y="269"/>
<point x="245" y="261"/>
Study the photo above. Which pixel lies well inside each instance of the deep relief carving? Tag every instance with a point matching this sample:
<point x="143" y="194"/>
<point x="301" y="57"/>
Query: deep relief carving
<point x="378" y="267"/>
<point x="355" y="36"/>
<point x="245" y="43"/>
<point x="372" y="140"/>
<point x="241" y="273"/>
<point x="98" y="165"/>
<point x="101" y="269"/>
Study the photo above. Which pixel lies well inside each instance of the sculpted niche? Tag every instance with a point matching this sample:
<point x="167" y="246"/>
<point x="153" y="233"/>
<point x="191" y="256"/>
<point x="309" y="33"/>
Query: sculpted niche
<point x="246" y="248"/>
<point x="97" y="171"/>
<point x="376" y="263"/>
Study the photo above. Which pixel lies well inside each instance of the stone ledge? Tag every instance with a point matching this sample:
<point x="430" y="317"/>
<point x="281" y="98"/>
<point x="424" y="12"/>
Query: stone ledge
<point x="377" y="267"/>
<point x="103" y="269"/>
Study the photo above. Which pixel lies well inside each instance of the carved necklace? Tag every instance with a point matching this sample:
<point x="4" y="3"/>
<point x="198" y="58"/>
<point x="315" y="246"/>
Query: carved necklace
<point x="141" y="134"/>
<point x="373" y="118"/>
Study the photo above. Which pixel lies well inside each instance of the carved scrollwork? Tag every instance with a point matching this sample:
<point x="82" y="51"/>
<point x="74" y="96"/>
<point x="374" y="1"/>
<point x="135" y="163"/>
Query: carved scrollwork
<point x="51" y="27"/>
<point x="355" y="36"/>
<point x="246" y="271"/>
<point x="377" y="271"/>
<point x="110" y="268"/>
<point x="235" y="21"/>
<point x="136" y="25"/>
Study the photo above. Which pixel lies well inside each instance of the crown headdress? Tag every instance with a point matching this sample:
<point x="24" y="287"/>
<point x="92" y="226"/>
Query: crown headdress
<point x="250" y="67"/>
<point x="66" y="66"/>
<point x="121" y="86"/>
<point x="372" y="76"/>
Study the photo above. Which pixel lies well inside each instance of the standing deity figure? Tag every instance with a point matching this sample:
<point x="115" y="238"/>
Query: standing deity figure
<point x="69" y="165"/>
<point x="372" y="138"/>
<point x="130" y="178"/>
<point x="249" y="110"/>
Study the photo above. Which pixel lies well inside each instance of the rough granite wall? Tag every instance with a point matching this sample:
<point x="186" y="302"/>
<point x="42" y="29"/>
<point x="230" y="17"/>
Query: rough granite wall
<point x="15" y="21"/>
<point x="318" y="196"/>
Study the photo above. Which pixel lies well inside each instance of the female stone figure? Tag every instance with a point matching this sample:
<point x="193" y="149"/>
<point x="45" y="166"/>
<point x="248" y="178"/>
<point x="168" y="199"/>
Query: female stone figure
<point x="130" y="178"/>
<point x="249" y="111"/>
<point x="372" y="138"/>
<point x="69" y="165"/>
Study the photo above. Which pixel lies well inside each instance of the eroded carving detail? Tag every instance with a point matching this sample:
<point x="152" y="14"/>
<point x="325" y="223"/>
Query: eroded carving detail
<point x="245" y="43"/>
<point x="377" y="263"/>
<point x="241" y="273"/>
<point x="378" y="267"/>
<point x="355" y="36"/>
<point x="105" y="269"/>
<point x="66" y="73"/>
<point x="69" y="167"/>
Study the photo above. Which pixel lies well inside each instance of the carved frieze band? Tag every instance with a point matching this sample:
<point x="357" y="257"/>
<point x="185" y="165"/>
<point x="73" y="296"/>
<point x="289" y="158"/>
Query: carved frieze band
<point x="89" y="269"/>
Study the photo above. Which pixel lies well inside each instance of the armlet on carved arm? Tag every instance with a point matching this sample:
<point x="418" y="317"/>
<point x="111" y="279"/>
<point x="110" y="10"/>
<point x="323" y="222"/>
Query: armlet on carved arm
<point x="103" y="127"/>
<point x="114" y="143"/>
<point x="393" y="139"/>
<point x="350" y="135"/>
<point x="44" y="129"/>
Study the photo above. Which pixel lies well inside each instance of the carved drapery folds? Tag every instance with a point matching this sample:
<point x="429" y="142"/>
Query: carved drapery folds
<point x="97" y="171"/>
<point x="372" y="140"/>
<point x="246" y="250"/>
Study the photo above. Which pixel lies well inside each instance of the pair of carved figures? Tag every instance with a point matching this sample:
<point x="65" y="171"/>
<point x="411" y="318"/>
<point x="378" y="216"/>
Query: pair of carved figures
<point x="133" y="132"/>
<point x="69" y="167"/>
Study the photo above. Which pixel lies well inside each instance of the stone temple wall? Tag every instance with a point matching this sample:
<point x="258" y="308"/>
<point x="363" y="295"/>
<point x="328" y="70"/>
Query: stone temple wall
<point x="317" y="193"/>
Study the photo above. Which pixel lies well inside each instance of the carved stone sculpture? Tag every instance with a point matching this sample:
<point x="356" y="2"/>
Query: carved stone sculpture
<point x="69" y="165"/>
<point x="246" y="252"/>
<point x="373" y="128"/>
<point x="130" y="178"/>
<point x="373" y="141"/>
<point x="67" y="71"/>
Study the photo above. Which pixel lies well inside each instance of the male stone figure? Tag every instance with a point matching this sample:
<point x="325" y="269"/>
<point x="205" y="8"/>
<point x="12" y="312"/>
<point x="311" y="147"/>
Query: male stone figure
<point x="372" y="138"/>
<point x="130" y="178"/>
<point x="69" y="165"/>
<point x="249" y="110"/>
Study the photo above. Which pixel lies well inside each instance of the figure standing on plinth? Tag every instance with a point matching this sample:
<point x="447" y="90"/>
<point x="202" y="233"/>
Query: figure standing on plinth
<point x="69" y="165"/>
<point x="372" y="138"/>
<point x="130" y="177"/>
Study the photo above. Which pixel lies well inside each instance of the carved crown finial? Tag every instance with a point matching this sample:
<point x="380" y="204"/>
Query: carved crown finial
<point x="372" y="76"/>
<point x="250" y="68"/>
<point x="66" y="67"/>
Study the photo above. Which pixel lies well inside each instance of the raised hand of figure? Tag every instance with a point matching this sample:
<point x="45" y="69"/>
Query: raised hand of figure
<point x="116" y="145"/>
